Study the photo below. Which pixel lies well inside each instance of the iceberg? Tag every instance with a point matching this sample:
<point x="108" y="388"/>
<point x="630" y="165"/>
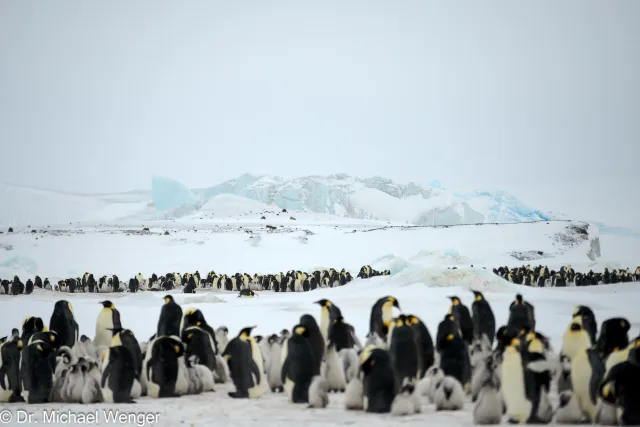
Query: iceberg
<point x="168" y="194"/>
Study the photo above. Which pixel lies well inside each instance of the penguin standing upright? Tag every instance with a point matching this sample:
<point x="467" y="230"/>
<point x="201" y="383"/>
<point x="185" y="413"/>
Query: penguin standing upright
<point x="538" y="382"/>
<point x="242" y="368"/>
<point x="300" y="366"/>
<point x="454" y="353"/>
<point x="118" y="376"/>
<point x="170" y="318"/>
<point x="513" y="384"/>
<point x="484" y="322"/>
<point x="10" y="370"/>
<point x="424" y="343"/>
<point x="521" y="315"/>
<point x="403" y="352"/>
<point x="621" y="387"/>
<point x="588" y="321"/>
<point x="200" y="343"/>
<point x="314" y="335"/>
<point x="274" y="364"/>
<point x="382" y="315"/>
<point x="108" y="319"/>
<point x="64" y="323"/>
<point x="462" y="317"/>
<point x="36" y="372"/>
<point x="379" y="387"/>
<point x="575" y="338"/>
<point x="161" y="366"/>
<point x="256" y="355"/>
<point x="126" y="338"/>
<point x="328" y="314"/>
<point x="30" y="326"/>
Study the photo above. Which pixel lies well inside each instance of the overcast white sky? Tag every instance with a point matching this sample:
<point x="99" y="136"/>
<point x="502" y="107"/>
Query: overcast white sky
<point x="539" y="99"/>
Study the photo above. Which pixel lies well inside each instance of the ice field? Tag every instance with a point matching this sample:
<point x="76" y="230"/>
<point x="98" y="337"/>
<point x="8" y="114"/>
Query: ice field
<point x="420" y="259"/>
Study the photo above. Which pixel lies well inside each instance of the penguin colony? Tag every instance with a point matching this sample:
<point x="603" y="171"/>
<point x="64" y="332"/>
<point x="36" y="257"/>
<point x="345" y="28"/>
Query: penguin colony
<point x="508" y="373"/>
<point x="540" y="276"/>
<point x="292" y="281"/>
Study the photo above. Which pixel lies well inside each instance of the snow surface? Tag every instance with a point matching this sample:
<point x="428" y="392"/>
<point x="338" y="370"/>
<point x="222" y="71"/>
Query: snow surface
<point x="417" y="256"/>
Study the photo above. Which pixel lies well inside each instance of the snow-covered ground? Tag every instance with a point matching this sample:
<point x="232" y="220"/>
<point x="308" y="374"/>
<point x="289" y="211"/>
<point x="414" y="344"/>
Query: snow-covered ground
<point x="419" y="258"/>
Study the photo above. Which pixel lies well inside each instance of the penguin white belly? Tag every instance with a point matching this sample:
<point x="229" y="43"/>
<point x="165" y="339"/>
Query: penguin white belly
<point x="206" y="377"/>
<point x="324" y="323"/>
<point x="136" y="389"/>
<point x="288" y="388"/>
<point x="513" y="387"/>
<point x="581" y="382"/>
<point x="573" y="342"/>
<point x="257" y="357"/>
<point x="182" y="381"/>
<point x="274" y="368"/>
<point x="334" y="370"/>
<point x="353" y="395"/>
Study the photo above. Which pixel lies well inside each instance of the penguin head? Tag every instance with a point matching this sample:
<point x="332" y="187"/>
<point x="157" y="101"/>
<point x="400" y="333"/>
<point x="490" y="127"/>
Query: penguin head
<point x="15" y="332"/>
<point x="454" y="300"/>
<point x="477" y="295"/>
<point x="107" y="304"/>
<point x="513" y="345"/>
<point x="246" y="332"/>
<point x="412" y="320"/>
<point x="401" y="320"/>
<point x="272" y="339"/>
<point x="325" y="303"/>
<point x="168" y="299"/>
<point x="301" y="330"/>
<point x="518" y="299"/>
<point x="84" y="338"/>
<point x="393" y="301"/>
<point x="576" y="324"/>
<point x="565" y="398"/>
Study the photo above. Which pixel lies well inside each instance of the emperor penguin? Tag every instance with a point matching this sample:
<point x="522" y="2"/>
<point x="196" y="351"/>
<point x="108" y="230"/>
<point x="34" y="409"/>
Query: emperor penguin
<point x="514" y="388"/>
<point x="568" y="411"/>
<point x="424" y="343"/>
<point x="242" y="368"/>
<point x="484" y="321"/>
<point x="449" y="395"/>
<point x="354" y="394"/>
<point x="245" y="335"/>
<point x="403" y="353"/>
<point x="64" y="323"/>
<point x="126" y="338"/>
<point x="564" y="377"/>
<point x="521" y="315"/>
<point x="170" y="318"/>
<point x="328" y="314"/>
<point x="333" y="369"/>
<point x="314" y="335"/>
<point x="614" y="335"/>
<point x="108" y="319"/>
<point x="379" y="386"/>
<point x="30" y="326"/>
<point x="340" y="335"/>
<point x="488" y="404"/>
<point x="119" y="376"/>
<point x="588" y="321"/>
<point x="538" y="381"/>
<point x="222" y="338"/>
<point x="576" y="338"/>
<point x="10" y="370"/>
<point x="274" y="364"/>
<point x="454" y="353"/>
<point x="200" y="343"/>
<point x="300" y="365"/>
<point x="36" y="371"/>
<point x="621" y="387"/>
<point x="161" y="366"/>
<point x="462" y="317"/>
<point x="406" y="401"/>
<point x="382" y="315"/>
<point x="92" y="391"/>
<point x="74" y="382"/>
<point x="318" y="392"/>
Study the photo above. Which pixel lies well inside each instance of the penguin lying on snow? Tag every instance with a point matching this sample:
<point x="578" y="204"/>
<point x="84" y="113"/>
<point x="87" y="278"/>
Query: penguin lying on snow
<point x="247" y="293"/>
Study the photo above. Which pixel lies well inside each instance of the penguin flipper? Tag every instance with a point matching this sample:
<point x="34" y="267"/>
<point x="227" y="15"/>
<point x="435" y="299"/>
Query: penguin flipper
<point x="285" y="370"/>
<point x="255" y="371"/>
<point x="105" y="375"/>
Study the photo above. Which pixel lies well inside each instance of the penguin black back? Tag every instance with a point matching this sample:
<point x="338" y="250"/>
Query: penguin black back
<point x="38" y="373"/>
<point x="314" y="335"/>
<point x="621" y="387"/>
<point x="588" y="321"/>
<point x="382" y="315"/>
<point x="170" y="318"/>
<point x="194" y="317"/>
<point x="162" y="367"/>
<point x="614" y="335"/>
<point x="198" y="342"/>
<point x="63" y="322"/>
<point x="301" y="364"/>
<point x="424" y="343"/>
<point x="521" y="315"/>
<point x="340" y="335"/>
<point x="30" y="326"/>
<point x="462" y="317"/>
<point x="242" y="367"/>
<point x="10" y="368"/>
<point x="127" y="339"/>
<point x="379" y="381"/>
<point x="484" y="321"/>
<point x="119" y="375"/>
<point x="454" y="353"/>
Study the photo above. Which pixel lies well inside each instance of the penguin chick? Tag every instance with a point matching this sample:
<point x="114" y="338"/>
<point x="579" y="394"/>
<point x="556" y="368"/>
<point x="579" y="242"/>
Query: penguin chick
<point x="568" y="411"/>
<point x="64" y="359"/>
<point x="91" y="391"/>
<point x="606" y="413"/>
<point x="273" y="365"/>
<point x="353" y="395"/>
<point x="489" y="403"/>
<point x="373" y="339"/>
<point x="221" y="375"/>
<point x="74" y="383"/>
<point x="195" y="385"/>
<point x="318" y="392"/>
<point x="379" y="380"/>
<point x="564" y="377"/>
<point x="484" y="373"/>
<point x="334" y="370"/>
<point x="350" y="362"/>
<point x="406" y="401"/>
<point x="449" y="395"/>
<point x="222" y="338"/>
<point x="434" y="376"/>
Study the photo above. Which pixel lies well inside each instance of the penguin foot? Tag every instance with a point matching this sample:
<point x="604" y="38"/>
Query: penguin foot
<point x="16" y="398"/>
<point x="512" y="421"/>
<point x="238" y="395"/>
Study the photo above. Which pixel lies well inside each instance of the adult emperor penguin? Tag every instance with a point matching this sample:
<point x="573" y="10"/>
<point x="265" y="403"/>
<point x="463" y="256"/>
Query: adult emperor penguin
<point x="382" y="315"/>
<point x="108" y="319"/>
<point x="314" y="335"/>
<point x="118" y="376"/>
<point x="245" y="335"/>
<point x="194" y="317"/>
<point x="575" y="338"/>
<point x="514" y="388"/>
<point x="300" y="365"/>
<point x="161" y="366"/>
<point x="588" y="321"/>
<point x="379" y="381"/>
<point x="521" y="315"/>
<point x="200" y="343"/>
<point x="621" y="387"/>
<point x="328" y="314"/>
<point x="403" y="353"/>
<point x="36" y="372"/>
<point x="126" y="338"/>
<point x="538" y="381"/>
<point x="614" y="335"/>
<point x="454" y="353"/>
<point x="10" y="370"/>
<point x="30" y="326"/>
<point x="587" y="370"/>
<point x="462" y="317"/>
<point x="64" y="323"/>
<point x="242" y="368"/>
<point x="484" y="322"/>
<point x="424" y="342"/>
<point x="170" y="318"/>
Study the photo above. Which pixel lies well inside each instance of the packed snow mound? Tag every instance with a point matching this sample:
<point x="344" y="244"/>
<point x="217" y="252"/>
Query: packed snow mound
<point x="378" y="198"/>
<point x="228" y="205"/>
<point x="168" y="194"/>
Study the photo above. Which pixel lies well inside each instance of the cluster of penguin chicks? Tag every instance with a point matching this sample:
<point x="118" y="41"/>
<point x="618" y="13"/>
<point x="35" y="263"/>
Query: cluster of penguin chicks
<point x="292" y="281"/>
<point x="598" y="379"/>
<point x="540" y="276"/>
